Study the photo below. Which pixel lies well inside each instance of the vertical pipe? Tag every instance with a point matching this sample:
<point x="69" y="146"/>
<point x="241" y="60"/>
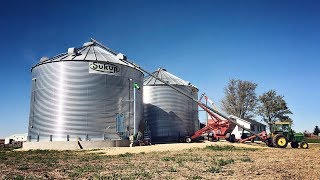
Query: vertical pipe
<point x="134" y="111"/>
<point x="34" y="100"/>
<point x="129" y="104"/>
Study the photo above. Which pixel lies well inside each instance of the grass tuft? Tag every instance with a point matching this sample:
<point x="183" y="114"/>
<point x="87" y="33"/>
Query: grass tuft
<point x="220" y="148"/>
<point x="142" y="174"/>
<point x="246" y="159"/>
<point x="39" y="151"/>
<point x="168" y="159"/>
<point x="125" y="155"/>
<point x="172" y="169"/>
<point x="223" y="162"/>
<point x="196" y="177"/>
<point x="3" y="156"/>
<point x="18" y="177"/>
<point x="214" y="169"/>
<point x="229" y="148"/>
<point x="23" y="167"/>
<point x="78" y="171"/>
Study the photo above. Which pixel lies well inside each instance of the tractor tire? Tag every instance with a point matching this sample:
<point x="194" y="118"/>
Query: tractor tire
<point x="294" y="144"/>
<point x="269" y="142"/>
<point x="280" y="141"/>
<point x="188" y="140"/>
<point x="304" y="145"/>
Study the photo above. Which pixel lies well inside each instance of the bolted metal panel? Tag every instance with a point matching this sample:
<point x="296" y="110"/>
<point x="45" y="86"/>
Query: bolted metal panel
<point x="169" y="114"/>
<point x="68" y="100"/>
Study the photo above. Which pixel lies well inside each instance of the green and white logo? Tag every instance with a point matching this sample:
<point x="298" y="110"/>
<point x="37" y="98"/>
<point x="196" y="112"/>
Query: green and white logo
<point x="136" y="85"/>
<point x="103" y="68"/>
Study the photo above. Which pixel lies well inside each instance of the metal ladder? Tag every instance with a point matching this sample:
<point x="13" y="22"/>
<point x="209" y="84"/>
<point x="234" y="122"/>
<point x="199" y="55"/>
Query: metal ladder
<point x="147" y="132"/>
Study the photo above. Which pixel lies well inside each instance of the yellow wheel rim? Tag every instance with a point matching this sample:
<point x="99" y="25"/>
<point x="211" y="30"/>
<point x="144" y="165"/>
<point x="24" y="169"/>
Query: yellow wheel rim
<point x="282" y="141"/>
<point x="304" y="145"/>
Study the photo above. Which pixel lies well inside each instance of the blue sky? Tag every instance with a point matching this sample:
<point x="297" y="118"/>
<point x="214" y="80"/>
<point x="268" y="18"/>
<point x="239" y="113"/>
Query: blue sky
<point x="273" y="43"/>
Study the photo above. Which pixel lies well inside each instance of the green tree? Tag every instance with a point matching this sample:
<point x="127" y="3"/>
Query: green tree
<point x="316" y="131"/>
<point x="273" y="108"/>
<point x="240" y="98"/>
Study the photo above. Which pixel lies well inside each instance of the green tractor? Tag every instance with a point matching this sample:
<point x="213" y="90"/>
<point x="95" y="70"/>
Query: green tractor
<point x="282" y="134"/>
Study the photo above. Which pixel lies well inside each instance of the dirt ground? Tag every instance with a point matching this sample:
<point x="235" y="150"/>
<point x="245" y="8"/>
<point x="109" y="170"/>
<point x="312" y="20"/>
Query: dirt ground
<point x="218" y="160"/>
<point x="173" y="147"/>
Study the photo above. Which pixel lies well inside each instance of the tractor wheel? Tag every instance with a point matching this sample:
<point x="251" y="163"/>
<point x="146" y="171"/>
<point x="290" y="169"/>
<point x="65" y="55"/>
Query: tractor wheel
<point x="294" y="144"/>
<point x="304" y="145"/>
<point x="280" y="141"/>
<point x="188" y="140"/>
<point x="269" y="142"/>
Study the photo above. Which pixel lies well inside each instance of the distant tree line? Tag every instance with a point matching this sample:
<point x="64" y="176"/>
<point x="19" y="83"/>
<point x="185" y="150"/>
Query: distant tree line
<point x="241" y="100"/>
<point x="316" y="132"/>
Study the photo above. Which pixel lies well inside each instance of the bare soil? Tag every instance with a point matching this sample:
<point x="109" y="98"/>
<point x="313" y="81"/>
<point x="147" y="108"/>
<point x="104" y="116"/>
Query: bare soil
<point x="218" y="160"/>
<point x="173" y="147"/>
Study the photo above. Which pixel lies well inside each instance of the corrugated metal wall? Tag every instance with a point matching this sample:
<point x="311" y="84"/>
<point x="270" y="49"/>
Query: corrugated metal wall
<point x="169" y="114"/>
<point x="68" y="100"/>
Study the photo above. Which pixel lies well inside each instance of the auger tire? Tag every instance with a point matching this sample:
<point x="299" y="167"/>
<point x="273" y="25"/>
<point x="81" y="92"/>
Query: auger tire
<point x="232" y="138"/>
<point x="269" y="142"/>
<point x="181" y="140"/>
<point x="188" y="140"/>
<point x="227" y="137"/>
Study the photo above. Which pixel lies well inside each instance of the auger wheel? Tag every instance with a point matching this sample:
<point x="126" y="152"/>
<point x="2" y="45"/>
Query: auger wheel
<point x="188" y="140"/>
<point x="269" y="142"/>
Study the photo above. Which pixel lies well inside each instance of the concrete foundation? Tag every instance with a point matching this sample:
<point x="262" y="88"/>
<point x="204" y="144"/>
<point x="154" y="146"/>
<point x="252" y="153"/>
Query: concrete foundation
<point x="74" y="145"/>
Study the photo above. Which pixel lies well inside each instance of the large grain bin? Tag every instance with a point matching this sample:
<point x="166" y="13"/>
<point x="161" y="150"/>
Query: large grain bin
<point x="85" y="93"/>
<point x="169" y="114"/>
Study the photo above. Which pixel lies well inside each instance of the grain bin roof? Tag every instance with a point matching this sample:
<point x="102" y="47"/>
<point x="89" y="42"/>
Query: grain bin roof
<point x="90" y="51"/>
<point x="166" y="76"/>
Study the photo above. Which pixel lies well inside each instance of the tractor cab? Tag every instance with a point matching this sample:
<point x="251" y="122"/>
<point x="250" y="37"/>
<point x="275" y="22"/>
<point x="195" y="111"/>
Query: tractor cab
<point x="283" y="128"/>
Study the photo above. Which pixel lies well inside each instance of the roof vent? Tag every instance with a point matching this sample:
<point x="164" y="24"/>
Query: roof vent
<point x="121" y="56"/>
<point x="161" y="69"/>
<point x="88" y="43"/>
<point x="72" y="51"/>
<point x="43" y="59"/>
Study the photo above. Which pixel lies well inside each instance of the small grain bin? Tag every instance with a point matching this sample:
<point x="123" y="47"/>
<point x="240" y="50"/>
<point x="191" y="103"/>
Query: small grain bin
<point x="169" y="114"/>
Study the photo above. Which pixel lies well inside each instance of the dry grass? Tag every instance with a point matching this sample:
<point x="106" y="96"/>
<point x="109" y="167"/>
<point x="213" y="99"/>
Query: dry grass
<point x="210" y="162"/>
